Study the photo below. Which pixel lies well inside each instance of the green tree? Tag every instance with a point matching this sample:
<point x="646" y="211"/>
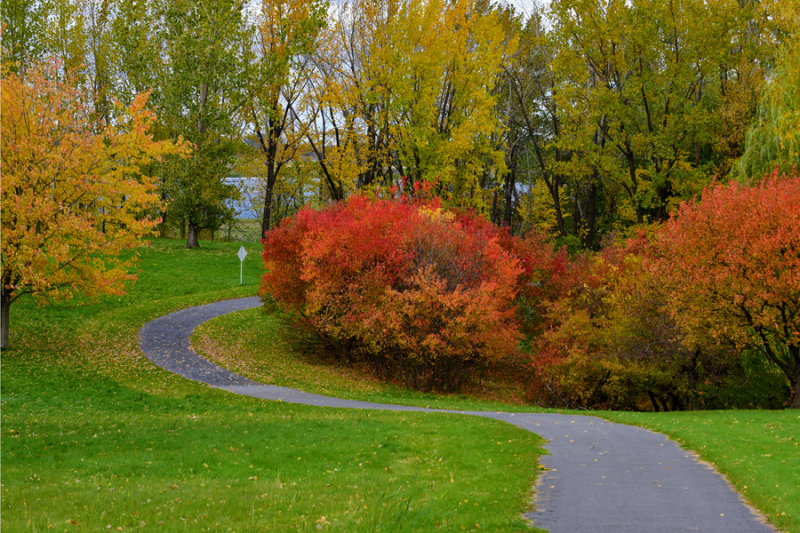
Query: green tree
<point x="641" y="90"/>
<point x="201" y="87"/>
<point x="283" y="39"/>
<point x="23" y="24"/>
<point x="774" y="138"/>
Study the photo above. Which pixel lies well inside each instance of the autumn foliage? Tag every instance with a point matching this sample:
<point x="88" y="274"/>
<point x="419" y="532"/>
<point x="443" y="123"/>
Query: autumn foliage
<point x="424" y="294"/>
<point x="675" y="319"/>
<point x="734" y="266"/>
<point x="75" y="191"/>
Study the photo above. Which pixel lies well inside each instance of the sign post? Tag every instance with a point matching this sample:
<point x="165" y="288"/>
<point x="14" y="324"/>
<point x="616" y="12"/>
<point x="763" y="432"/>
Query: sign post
<point x="242" y="254"/>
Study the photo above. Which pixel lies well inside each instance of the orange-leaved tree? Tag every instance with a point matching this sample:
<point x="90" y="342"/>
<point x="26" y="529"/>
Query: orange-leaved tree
<point x="75" y="193"/>
<point x="734" y="263"/>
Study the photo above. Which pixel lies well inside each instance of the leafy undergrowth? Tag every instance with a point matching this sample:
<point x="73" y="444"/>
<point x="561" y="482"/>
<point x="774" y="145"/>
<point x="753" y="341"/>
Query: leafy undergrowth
<point x="258" y="345"/>
<point x="757" y="451"/>
<point x="95" y="438"/>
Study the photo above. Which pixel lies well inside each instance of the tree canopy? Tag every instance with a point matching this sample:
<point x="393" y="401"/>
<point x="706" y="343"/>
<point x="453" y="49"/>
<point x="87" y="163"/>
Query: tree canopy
<point x="75" y="192"/>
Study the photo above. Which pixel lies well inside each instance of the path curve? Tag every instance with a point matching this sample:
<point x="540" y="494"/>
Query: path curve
<point x="602" y="477"/>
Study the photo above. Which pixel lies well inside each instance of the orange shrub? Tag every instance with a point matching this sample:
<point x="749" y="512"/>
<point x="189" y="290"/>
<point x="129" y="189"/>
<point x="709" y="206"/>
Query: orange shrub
<point x="422" y="293"/>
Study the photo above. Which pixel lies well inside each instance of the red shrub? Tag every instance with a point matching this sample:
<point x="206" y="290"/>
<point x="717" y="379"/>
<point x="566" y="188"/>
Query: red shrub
<point x="733" y="258"/>
<point x="423" y="294"/>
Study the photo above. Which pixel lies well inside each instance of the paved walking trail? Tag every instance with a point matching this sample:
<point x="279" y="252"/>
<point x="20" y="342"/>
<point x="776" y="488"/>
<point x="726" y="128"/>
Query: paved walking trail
<point x="602" y="477"/>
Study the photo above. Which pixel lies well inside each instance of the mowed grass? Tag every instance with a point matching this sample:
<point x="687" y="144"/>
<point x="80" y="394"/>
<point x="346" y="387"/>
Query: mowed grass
<point x="758" y="451"/>
<point x="96" y="438"/>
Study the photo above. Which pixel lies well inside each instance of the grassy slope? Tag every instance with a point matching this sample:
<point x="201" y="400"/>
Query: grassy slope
<point x="758" y="451"/>
<point x="259" y="346"/>
<point x="94" y="437"/>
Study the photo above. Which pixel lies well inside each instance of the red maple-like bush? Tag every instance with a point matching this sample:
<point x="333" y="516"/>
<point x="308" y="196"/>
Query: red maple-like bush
<point x="733" y="261"/>
<point x="422" y="293"/>
<point x="691" y="316"/>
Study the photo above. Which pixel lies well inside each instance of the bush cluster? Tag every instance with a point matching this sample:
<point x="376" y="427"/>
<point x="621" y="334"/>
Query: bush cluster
<point x="700" y="312"/>
<point x="423" y="294"/>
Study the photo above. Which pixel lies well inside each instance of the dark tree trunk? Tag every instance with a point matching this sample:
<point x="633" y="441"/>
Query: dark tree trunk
<point x="591" y="214"/>
<point x="508" y="191"/>
<point x="5" y="305"/>
<point x="267" y="213"/>
<point x="191" y="236"/>
<point x="794" y="376"/>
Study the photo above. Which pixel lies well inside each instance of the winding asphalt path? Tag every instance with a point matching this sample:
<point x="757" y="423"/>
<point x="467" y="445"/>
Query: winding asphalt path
<point x="602" y="477"/>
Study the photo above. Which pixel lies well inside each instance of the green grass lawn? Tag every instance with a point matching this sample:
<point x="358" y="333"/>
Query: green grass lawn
<point x="96" y="438"/>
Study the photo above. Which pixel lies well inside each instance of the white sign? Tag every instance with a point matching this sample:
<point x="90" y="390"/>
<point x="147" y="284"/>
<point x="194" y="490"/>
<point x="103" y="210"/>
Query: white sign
<point x="242" y="254"/>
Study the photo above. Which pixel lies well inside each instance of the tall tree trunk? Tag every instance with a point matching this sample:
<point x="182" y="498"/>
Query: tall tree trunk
<point x="508" y="190"/>
<point x="191" y="236"/>
<point x="266" y="218"/>
<point x="591" y="215"/>
<point x="5" y="305"/>
<point x="267" y="213"/>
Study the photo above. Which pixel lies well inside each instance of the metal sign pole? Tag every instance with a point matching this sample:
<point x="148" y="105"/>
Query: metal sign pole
<point x="242" y="254"/>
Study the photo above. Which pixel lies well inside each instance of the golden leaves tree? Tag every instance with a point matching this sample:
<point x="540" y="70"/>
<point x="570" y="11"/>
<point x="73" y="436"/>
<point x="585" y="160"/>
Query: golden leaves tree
<point x="406" y="89"/>
<point x="284" y="37"/>
<point x="75" y="193"/>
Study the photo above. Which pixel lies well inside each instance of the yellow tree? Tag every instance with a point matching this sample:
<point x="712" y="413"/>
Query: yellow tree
<point x="285" y="32"/>
<point x="445" y="60"/>
<point x="72" y="198"/>
<point x="405" y="88"/>
<point x="346" y="105"/>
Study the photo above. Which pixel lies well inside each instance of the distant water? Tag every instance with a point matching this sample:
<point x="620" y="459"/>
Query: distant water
<point x="247" y="206"/>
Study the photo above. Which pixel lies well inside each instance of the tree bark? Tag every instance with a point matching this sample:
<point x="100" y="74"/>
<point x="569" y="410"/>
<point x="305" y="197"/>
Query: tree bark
<point x="267" y="213"/>
<point x="191" y="236"/>
<point x="5" y="304"/>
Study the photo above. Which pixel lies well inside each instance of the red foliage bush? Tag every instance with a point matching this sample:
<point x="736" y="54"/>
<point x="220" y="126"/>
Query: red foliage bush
<point x="733" y="260"/>
<point x="673" y="320"/>
<point x="610" y="342"/>
<point x="422" y="293"/>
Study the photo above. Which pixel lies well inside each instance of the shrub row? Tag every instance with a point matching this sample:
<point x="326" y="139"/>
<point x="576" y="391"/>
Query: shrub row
<point x="703" y="311"/>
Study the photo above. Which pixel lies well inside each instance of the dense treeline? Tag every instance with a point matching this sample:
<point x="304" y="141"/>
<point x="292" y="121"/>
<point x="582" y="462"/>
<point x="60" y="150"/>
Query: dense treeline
<point x="581" y="119"/>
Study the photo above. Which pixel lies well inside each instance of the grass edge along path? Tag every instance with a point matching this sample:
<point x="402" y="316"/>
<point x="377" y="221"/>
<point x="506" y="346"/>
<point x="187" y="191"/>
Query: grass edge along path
<point x="605" y="470"/>
<point x="755" y="451"/>
<point x="96" y="438"/>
